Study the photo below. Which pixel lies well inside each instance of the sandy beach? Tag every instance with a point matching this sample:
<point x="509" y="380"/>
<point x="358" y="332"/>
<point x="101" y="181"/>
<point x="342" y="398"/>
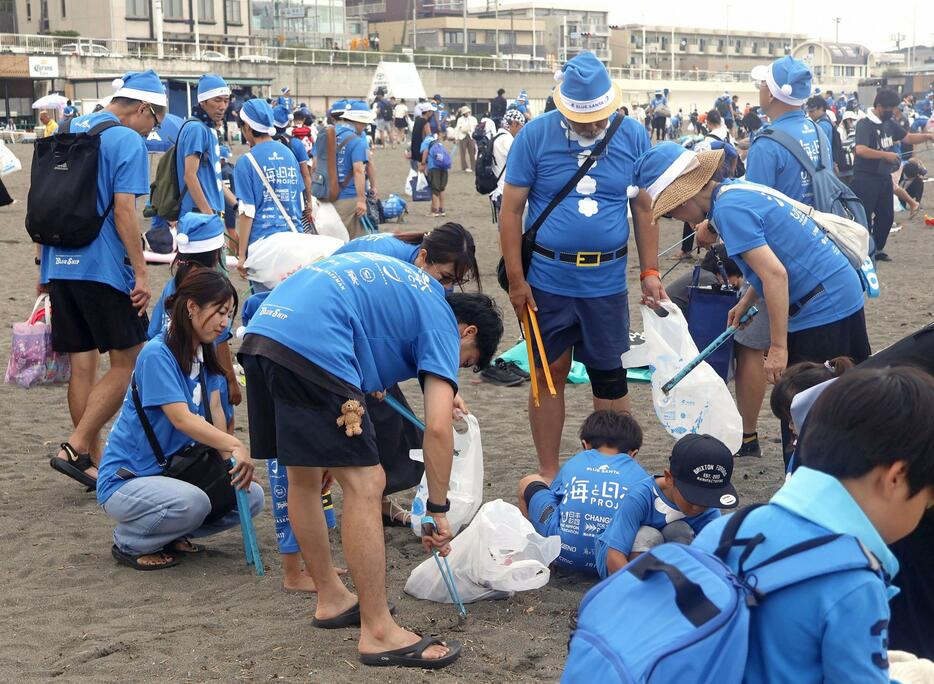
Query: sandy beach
<point x="70" y="613"/>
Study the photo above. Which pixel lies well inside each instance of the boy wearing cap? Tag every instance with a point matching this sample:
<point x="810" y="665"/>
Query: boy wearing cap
<point x="198" y="150"/>
<point x="784" y="86"/>
<point x="580" y="502"/>
<point x="577" y="278"/>
<point x="352" y="158"/>
<point x="100" y="290"/>
<point x="437" y="177"/>
<point x="672" y="507"/>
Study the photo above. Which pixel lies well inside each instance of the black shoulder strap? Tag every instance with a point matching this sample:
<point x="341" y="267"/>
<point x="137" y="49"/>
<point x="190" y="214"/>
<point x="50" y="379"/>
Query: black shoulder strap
<point x="205" y="395"/>
<point x="729" y="538"/>
<point x="581" y="172"/>
<point x="147" y="426"/>
<point x="101" y="127"/>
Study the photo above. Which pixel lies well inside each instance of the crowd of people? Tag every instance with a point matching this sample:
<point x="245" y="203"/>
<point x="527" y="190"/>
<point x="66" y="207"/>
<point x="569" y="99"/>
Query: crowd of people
<point x="321" y="348"/>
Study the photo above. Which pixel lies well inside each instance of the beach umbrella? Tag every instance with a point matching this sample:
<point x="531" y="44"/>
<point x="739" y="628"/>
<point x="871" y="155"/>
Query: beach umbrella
<point x="53" y="101"/>
<point x="162" y="138"/>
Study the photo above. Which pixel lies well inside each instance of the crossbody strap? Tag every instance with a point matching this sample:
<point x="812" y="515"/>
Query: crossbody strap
<point x="581" y="172"/>
<point x="272" y="193"/>
<point x="147" y="426"/>
<point x="794" y="148"/>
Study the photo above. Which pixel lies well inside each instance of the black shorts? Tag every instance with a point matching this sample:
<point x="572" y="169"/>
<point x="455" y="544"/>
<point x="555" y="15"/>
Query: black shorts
<point x="90" y="315"/>
<point x="295" y="420"/>
<point x="846" y="337"/>
<point x="400" y="123"/>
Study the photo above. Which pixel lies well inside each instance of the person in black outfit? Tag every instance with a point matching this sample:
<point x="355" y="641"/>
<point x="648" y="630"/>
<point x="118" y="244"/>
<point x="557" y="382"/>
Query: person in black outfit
<point x="5" y="199"/>
<point x="876" y="135"/>
<point x="419" y="127"/>
<point x="498" y="108"/>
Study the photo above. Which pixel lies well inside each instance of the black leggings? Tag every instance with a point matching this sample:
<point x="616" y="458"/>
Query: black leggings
<point x="658" y="123"/>
<point x="875" y="192"/>
<point x="5" y="198"/>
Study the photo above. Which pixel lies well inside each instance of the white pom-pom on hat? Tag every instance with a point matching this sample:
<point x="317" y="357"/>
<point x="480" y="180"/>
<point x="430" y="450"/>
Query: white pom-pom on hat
<point x="118" y="83"/>
<point x="786" y="89"/>
<point x="241" y="331"/>
<point x="182" y="238"/>
<point x="632" y="191"/>
<point x="559" y="76"/>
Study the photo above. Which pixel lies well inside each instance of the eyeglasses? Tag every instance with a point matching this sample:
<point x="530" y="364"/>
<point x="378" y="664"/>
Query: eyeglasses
<point x="154" y="118"/>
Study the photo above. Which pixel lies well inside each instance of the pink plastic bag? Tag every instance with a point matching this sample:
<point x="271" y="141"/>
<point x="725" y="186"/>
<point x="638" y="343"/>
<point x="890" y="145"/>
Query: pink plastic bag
<point x="32" y="361"/>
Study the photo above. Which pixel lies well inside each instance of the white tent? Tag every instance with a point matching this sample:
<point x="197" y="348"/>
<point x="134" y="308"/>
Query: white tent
<point x="399" y="80"/>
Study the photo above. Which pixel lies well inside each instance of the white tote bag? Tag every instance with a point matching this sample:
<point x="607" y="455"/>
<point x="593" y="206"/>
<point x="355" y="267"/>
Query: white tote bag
<point x="465" y="490"/>
<point x="272" y="258"/>
<point x="498" y="554"/>
<point x="9" y="162"/>
<point x="701" y="402"/>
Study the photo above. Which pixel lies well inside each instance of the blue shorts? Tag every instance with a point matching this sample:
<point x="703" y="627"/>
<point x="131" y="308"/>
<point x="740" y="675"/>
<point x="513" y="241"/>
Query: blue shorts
<point x="543" y="508"/>
<point x="595" y="328"/>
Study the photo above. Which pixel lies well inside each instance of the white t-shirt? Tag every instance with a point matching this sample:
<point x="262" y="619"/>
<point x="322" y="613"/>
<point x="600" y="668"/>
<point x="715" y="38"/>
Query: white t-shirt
<point x="400" y="111"/>
<point x="501" y="146"/>
<point x="465" y="127"/>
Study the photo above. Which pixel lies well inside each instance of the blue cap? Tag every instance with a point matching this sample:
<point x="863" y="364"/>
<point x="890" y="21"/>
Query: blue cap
<point x="257" y="114"/>
<point x="284" y="90"/>
<point x="788" y="79"/>
<point x="68" y="111"/>
<point x="281" y="116"/>
<point x="337" y="106"/>
<point x="199" y="233"/>
<point x="144" y="86"/>
<point x="585" y="92"/>
<point x="212" y="85"/>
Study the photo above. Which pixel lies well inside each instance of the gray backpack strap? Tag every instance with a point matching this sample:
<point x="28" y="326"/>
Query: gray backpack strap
<point x="794" y="148"/>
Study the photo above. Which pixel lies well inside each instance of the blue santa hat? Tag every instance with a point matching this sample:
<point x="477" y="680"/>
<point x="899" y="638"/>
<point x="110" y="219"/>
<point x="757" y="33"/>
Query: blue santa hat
<point x="284" y="90"/>
<point x="199" y="233"/>
<point x="225" y="152"/>
<point x="788" y="79"/>
<point x="337" y="107"/>
<point x="585" y="91"/>
<point x="281" y="116"/>
<point x="212" y="85"/>
<point x="144" y="86"/>
<point x="257" y="114"/>
<point x="357" y="111"/>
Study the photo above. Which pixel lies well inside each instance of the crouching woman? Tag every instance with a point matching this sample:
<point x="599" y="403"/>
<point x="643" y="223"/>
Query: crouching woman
<point x="177" y="378"/>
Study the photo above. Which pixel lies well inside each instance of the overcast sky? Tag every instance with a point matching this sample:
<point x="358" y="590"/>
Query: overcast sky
<point x="870" y="22"/>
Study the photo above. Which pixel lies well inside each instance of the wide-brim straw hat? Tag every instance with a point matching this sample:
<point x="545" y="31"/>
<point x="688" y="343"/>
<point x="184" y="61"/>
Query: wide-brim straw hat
<point x="685" y="186"/>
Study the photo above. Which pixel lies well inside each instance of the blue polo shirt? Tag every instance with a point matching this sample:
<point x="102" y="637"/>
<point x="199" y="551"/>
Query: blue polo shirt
<point x="588" y="489"/>
<point x="354" y="151"/>
<point x="645" y="506"/>
<point x="283" y="175"/>
<point x="772" y="165"/>
<point x="386" y="244"/>
<point x="426" y="146"/>
<point x="123" y="167"/>
<point x="592" y="218"/>
<point x="160" y="381"/>
<point x="746" y="220"/>
<point x="370" y="320"/>
<point x="828" y="629"/>
<point x="199" y="139"/>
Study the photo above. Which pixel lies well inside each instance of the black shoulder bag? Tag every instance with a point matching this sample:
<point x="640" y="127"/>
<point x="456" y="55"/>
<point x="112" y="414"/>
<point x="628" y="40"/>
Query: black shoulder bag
<point x="196" y="464"/>
<point x="528" y="237"/>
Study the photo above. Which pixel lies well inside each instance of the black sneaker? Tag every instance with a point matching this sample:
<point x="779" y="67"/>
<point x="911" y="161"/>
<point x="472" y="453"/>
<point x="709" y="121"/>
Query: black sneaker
<point x="882" y="256"/>
<point x="516" y="369"/>
<point x="749" y="450"/>
<point x="500" y="374"/>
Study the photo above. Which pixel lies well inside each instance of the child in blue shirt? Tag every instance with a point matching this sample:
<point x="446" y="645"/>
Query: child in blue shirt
<point x="670" y="507"/>
<point x="436" y="172"/>
<point x="580" y="502"/>
<point x="867" y="470"/>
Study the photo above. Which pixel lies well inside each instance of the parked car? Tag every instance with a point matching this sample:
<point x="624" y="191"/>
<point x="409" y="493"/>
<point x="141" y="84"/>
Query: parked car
<point x="213" y="56"/>
<point x="84" y="50"/>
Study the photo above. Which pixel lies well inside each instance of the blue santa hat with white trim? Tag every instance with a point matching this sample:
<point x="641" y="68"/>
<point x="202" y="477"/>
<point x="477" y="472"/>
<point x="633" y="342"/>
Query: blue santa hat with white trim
<point x="199" y="233"/>
<point x="281" y="116"/>
<point x="212" y="85"/>
<point x="788" y="79"/>
<point x="144" y="86"/>
<point x="257" y="114"/>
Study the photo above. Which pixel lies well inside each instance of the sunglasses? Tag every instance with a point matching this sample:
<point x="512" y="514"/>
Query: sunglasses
<point x="155" y="117"/>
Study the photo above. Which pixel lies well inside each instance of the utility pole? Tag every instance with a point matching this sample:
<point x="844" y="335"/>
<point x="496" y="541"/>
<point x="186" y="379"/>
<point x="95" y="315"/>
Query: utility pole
<point x="836" y="29"/>
<point x="414" y="25"/>
<point x="464" y="3"/>
<point x="534" y="51"/>
<point x="157" y="26"/>
<point x="496" y="15"/>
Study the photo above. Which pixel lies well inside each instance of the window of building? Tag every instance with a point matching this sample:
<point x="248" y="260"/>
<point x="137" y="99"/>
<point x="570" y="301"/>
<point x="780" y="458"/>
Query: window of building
<point x="720" y="44"/>
<point x="206" y="10"/>
<point x="28" y="11"/>
<point x="453" y="37"/>
<point x="632" y="38"/>
<point x="64" y="10"/>
<point x="233" y="12"/>
<point x="810" y="49"/>
<point x="136" y="9"/>
<point x="703" y="43"/>
<point x="173" y="9"/>
<point x="472" y="37"/>
<point x="739" y="45"/>
<point x="771" y="47"/>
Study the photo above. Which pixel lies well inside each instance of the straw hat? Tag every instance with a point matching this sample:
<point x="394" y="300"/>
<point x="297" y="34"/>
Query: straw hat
<point x="585" y="92"/>
<point x="672" y="175"/>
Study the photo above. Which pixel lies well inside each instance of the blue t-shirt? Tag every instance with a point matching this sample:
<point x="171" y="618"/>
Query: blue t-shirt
<point x="298" y="149"/>
<point x="159" y="320"/>
<point x="658" y="101"/>
<point x="591" y="487"/>
<point x="645" y="506"/>
<point x="770" y="164"/>
<point x="746" y="220"/>
<point x="160" y="381"/>
<point x="354" y="151"/>
<point x="197" y="138"/>
<point x="386" y="244"/>
<point x="283" y="175"/>
<point x="123" y="167"/>
<point x="371" y="320"/>
<point x="592" y="218"/>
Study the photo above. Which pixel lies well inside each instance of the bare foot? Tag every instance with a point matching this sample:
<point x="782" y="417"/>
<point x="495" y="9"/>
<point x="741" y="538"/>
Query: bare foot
<point x="303" y="582"/>
<point x="155" y="559"/>
<point x="399" y="638"/>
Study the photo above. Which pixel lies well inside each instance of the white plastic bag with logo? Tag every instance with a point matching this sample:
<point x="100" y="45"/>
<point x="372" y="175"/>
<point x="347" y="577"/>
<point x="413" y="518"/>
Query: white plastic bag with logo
<point x="701" y="402"/>
<point x="465" y="491"/>
<point x="275" y="256"/>
<point x="407" y="188"/>
<point x="498" y="554"/>
<point x="9" y="162"/>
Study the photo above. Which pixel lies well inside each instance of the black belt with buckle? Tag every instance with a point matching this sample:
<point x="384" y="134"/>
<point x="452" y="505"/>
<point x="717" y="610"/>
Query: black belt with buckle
<point x="582" y="259"/>
<point x="795" y="308"/>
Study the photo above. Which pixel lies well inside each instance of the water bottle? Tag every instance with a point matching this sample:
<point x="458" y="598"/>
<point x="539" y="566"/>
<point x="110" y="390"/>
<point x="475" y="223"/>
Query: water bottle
<point x="329" y="517"/>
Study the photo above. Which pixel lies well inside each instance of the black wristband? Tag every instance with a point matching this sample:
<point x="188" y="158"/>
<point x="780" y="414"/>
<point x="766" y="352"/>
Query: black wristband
<point x="436" y="508"/>
<point x="38" y="262"/>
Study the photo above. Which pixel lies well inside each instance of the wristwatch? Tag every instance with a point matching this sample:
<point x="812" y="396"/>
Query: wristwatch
<point x="438" y="508"/>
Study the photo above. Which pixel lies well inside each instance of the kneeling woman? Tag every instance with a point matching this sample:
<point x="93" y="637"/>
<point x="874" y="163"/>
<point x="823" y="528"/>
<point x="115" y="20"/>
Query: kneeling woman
<point x="155" y="514"/>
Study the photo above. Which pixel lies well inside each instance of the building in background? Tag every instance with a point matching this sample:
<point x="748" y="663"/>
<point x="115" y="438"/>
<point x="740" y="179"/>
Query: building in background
<point x="835" y="60"/>
<point x="308" y="23"/>
<point x="446" y="34"/>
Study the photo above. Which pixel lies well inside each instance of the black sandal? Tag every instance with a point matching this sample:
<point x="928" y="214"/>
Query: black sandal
<point x="411" y="656"/>
<point x="133" y="561"/>
<point x="349" y="618"/>
<point x="170" y="550"/>
<point x="75" y="467"/>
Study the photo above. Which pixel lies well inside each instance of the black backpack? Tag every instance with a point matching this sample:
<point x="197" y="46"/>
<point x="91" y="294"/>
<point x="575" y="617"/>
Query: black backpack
<point x="61" y="208"/>
<point x="385" y="109"/>
<point x="485" y="179"/>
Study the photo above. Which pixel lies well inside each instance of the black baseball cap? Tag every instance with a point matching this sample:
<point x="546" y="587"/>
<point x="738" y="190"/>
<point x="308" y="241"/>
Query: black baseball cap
<point x="702" y="466"/>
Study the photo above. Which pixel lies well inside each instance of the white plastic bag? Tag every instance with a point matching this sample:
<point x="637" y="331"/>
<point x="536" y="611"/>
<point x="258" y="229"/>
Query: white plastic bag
<point x="422" y="183"/>
<point x="701" y="402"/>
<point x="465" y="491"/>
<point x="9" y="162"/>
<point x="272" y="258"/>
<point x="328" y="222"/>
<point x="408" y="182"/>
<point x="498" y="554"/>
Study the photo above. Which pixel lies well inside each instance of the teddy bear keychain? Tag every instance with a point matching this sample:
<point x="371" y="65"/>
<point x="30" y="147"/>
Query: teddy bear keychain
<point x="351" y="418"/>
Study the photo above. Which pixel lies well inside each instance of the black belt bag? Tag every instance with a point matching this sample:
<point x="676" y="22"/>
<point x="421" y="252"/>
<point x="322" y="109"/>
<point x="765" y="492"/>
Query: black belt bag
<point x="196" y="464"/>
